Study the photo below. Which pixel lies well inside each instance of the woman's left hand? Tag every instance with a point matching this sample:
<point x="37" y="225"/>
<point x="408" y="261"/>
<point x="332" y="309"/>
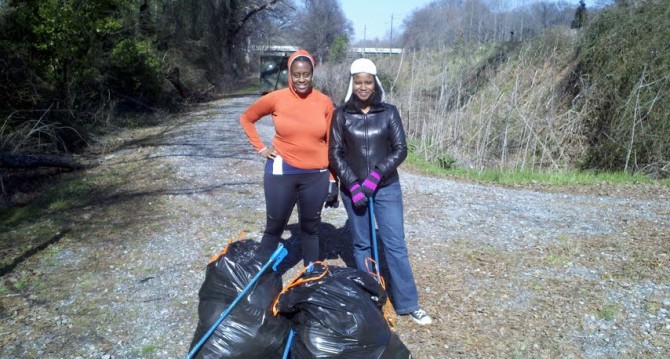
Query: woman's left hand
<point x="269" y="153"/>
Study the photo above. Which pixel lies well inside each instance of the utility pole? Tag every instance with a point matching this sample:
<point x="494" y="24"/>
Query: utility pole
<point x="391" y="37"/>
<point x="365" y="29"/>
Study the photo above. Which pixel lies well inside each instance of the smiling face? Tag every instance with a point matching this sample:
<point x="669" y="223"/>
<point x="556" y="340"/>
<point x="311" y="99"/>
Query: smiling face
<point x="301" y="76"/>
<point x="363" y="86"/>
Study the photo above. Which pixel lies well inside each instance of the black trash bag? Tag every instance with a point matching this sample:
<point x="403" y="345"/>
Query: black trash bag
<point x="339" y="316"/>
<point x="250" y="330"/>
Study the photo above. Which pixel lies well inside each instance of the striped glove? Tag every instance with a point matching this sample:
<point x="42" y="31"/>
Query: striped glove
<point x="370" y="183"/>
<point x="357" y="196"/>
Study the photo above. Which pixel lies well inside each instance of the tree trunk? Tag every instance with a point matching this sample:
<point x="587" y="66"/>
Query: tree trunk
<point x="175" y="79"/>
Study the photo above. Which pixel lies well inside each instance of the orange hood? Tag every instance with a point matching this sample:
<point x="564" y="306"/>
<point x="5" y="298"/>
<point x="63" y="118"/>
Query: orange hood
<point x="291" y="58"/>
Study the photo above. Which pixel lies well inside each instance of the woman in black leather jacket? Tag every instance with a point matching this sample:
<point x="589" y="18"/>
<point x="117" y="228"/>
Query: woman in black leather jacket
<point x="367" y="144"/>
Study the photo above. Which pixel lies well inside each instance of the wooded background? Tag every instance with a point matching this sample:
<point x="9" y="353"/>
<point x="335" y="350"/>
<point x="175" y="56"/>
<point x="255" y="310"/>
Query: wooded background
<point x="480" y="84"/>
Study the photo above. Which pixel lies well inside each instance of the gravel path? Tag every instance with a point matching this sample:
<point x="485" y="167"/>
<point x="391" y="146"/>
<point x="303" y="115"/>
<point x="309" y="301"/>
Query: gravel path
<point x="511" y="273"/>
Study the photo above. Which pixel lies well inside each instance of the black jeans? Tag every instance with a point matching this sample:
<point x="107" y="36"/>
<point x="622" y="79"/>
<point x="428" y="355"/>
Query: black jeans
<point x="282" y="192"/>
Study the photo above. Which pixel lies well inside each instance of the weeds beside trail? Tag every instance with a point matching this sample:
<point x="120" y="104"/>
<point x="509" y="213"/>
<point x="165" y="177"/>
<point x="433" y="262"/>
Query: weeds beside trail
<point x="515" y="273"/>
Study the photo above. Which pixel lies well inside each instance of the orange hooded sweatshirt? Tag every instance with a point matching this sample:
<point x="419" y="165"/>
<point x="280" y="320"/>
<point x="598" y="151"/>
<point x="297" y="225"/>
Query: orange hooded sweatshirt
<point x="302" y="123"/>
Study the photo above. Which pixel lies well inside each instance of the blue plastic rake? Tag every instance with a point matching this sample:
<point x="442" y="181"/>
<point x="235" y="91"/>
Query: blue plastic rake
<point x="373" y="231"/>
<point x="275" y="258"/>
<point x="291" y="333"/>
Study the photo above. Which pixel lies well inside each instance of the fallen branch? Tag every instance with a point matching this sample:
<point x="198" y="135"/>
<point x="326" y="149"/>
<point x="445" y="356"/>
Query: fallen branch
<point x="35" y="161"/>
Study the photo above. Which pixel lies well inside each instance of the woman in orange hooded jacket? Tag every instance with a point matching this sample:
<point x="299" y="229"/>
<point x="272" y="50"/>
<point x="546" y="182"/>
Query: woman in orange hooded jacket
<point x="296" y="170"/>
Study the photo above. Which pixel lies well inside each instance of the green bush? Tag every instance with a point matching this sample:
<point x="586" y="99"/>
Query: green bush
<point x="626" y="59"/>
<point x="135" y="70"/>
<point x="66" y="65"/>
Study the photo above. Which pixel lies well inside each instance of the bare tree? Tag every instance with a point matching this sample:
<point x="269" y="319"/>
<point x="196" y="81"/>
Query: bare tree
<point x="320" y="23"/>
<point x="437" y="24"/>
<point x="448" y="22"/>
<point x="549" y="14"/>
<point x="215" y="33"/>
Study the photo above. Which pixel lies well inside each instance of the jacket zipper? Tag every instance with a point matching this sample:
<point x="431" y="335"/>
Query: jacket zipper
<point x="367" y="144"/>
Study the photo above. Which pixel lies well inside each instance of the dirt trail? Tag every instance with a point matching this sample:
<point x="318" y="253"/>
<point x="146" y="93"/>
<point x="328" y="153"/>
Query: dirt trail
<point x="516" y="273"/>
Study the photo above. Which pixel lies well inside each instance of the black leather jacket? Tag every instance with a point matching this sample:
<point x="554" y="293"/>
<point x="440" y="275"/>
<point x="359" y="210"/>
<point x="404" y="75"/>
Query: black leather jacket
<point x="360" y="143"/>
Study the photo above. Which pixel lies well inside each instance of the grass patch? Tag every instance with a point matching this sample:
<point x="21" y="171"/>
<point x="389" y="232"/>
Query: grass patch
<point x="553" y="259"/>
<point x="608" y="311"/>
<point x="148" y="349"/>
<point x="251" y="88"/>
<point x="247" y="85"/>
<point x="513" y="178"/>
<point x="635" y="268"/>
<point x="50" y="255"/>
<point x="48" y="213"/>
<point x="63" y="202"/>
<point x="560" y="179"/>
<point x="21" y="283"/>
<point x="59" y="204"/>
<point x="12" y="217"/>
<point x="571" y="247"/>
<point x="61" y="196"/>
<point x="653" y="307"/>
<point x="17" y="240"/>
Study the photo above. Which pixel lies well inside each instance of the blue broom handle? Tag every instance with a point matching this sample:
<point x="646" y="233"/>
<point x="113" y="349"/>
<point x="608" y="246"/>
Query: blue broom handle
<point x="291" y="333"/>
<point x="277" y="256"/>
<point x="287" y="350"/>
<point x="375" y="253"/>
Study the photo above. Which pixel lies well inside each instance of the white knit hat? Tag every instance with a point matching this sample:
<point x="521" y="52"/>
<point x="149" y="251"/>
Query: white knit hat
<point x="363" y="66"/>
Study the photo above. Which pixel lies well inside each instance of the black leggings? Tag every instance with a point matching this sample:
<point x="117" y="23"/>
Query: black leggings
<point x="282" y="192"/>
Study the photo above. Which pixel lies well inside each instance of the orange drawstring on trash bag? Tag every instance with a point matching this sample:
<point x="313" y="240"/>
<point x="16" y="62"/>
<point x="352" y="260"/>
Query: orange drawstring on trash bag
<point x="241" y="236"/>
<point x="298" y="280"/>
<point x="388" y="307"/>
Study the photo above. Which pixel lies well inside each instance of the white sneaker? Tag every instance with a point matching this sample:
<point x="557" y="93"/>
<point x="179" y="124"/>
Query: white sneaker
<point x="421" y="317"/>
